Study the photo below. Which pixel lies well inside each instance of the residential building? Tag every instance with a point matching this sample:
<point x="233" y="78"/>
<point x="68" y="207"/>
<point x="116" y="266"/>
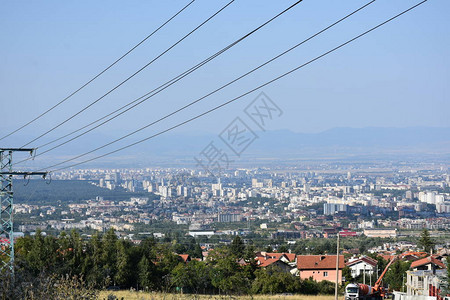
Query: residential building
<point x="320" y="267"/>
<point x="362" y="265"/>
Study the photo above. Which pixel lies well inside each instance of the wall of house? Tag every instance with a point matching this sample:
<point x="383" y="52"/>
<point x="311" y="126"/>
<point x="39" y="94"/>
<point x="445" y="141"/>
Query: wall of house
<point x="319" y="275"/>
<point x="423" y="283"/>
<point x="359" y="269"/>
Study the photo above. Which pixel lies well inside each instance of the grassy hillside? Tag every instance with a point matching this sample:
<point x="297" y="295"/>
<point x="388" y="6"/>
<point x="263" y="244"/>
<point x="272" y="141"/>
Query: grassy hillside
<point x="127" y="295"/>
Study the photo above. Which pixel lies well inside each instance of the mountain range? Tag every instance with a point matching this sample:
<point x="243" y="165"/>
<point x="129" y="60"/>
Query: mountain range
<point x="336" y="143"/>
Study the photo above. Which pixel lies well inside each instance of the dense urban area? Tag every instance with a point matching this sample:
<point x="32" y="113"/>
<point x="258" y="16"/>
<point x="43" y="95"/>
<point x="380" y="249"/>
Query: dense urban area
<point x="249" y="231"/>
<point x="225" y="150"/>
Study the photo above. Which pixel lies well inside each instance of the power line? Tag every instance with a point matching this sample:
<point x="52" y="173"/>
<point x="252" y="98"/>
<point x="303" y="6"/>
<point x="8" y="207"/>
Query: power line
<point x="99" y="74"/>
<point x="213" y="92"/>
<point x="131" y="76"/>
<point x="238" y="97"/>
<point x="161" y="88"/>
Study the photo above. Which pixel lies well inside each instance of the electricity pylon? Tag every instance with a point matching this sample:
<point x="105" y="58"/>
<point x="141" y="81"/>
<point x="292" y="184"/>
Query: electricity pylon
<point x="7" y="208"/>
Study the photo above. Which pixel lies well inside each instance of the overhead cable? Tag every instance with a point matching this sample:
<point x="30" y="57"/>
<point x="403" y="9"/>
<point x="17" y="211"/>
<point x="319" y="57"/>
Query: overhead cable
<point x="98" y="75"/>
<point x="233" y="99"/>
<point x="129" y="77"/>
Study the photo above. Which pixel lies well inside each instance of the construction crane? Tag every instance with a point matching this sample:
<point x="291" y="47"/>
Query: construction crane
<point x="358" y="291"/>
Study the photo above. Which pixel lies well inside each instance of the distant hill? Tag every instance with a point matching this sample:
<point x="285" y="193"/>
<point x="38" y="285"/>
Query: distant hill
<point x="420" y="140"/>
<point x="39" y="192"/>
<point x="374" y="142"/>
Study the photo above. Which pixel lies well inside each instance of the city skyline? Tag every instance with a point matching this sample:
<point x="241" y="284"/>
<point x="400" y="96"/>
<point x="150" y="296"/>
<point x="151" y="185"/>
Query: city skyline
<point x="194" y="149"/>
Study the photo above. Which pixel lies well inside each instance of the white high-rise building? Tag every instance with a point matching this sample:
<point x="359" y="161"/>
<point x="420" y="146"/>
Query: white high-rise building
<point x="431" y="198"/>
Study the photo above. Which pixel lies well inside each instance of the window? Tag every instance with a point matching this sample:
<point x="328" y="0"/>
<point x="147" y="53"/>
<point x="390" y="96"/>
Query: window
<point x="325" y="274"/>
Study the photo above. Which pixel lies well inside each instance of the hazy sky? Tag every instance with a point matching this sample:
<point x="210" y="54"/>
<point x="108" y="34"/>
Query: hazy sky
<point x="397" y="76"/>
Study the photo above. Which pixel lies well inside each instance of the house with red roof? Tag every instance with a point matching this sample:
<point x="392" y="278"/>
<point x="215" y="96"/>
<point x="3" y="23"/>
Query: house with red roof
<point x="413" y="255"/>
<point x="283" y="261"/>
<point x="430" y="263"/>
<point x="276" y="263"/>
<point x="362" y="265"/>
<point x="320" y="267"/>
<point x="185" y="257"/>
<point x="287" y="257"/>
<point x="425" y="278"/>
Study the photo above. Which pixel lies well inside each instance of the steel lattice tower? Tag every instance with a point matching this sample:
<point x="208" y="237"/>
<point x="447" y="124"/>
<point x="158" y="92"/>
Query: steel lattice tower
<point x="7" y="205"/>
<point x="6" y="214"/>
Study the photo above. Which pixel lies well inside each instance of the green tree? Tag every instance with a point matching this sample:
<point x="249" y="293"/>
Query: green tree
<point x="283" y="249"/>
<point x="326" y="287"/>
<point x="347" y="274"/>
<point x="75" y="253"/>
<point x="309" y="287"/>
<point x="93" y="264"/>
<point x="196" y="251"/>
<point x="145" y="273"/>
<point x="167" y="260"/>
<point x="226" y="273"/>
<point x="272" y="280"/>
<point x="43" y="254"/>
<point x="396" y="273"/>
<point x="425" y="241"/>
<point x="193" y="277"/>
<point x="35" y="255"/>
<point x="237" y="247"/>
<point x="109" y="256"/>
<point x="123" y="273"/>
<point x="251" y="264"/>
<point x="445" y="281"/>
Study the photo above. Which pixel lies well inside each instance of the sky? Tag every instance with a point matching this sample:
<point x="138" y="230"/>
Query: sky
<point x="396" y="76"/>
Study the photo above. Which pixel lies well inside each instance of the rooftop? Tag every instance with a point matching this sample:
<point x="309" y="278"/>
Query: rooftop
<point x="313" y="262"/>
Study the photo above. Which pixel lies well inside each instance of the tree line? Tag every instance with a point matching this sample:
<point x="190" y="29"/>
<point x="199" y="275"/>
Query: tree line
<point x="106" y="261"/>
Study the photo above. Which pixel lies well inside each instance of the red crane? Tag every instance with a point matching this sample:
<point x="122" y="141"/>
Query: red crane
<point x="363" y="291"/>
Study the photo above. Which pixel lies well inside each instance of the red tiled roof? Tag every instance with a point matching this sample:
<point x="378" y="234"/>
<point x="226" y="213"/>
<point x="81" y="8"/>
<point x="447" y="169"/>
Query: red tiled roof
<point x="426" y="261"/>
<point x="365" y="259"/>
<point x="289" y="256"/>
<point x="412" y="255"/>
<point x="267" y="262"/>
<point x="387" y="257"/>
<point x="319" y="262"/>
<point x="415" y="253"/>
<point x="185" y="257"/>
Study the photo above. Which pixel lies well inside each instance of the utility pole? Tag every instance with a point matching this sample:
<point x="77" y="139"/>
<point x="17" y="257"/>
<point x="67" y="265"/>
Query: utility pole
<point x="7" y="204"/>
<point x="364" y="274"/>
<point x="337" y="269"/>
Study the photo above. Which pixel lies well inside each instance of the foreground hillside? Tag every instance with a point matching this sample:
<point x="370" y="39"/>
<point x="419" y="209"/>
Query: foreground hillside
<point x="133" y="295"/>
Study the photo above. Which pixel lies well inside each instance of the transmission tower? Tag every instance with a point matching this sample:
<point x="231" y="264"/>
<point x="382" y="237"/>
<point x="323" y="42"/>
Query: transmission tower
<point x="7" y="209"/>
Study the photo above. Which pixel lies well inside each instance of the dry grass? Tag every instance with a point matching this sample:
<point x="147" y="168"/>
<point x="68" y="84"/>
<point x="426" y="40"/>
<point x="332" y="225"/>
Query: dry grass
<point x="128" y="295"/>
